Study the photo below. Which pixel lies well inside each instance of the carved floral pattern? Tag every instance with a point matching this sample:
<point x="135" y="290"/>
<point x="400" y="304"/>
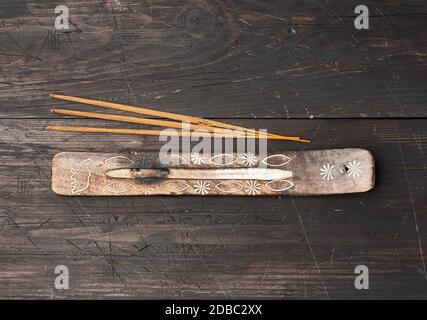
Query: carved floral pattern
<point x="198" y="158"/>
<point x="252" y="187"/>
<point x="202" y="187"/>
<point x="354" y="169"/>
<point x="327" y="172"/>
<point x="249" y="159"/>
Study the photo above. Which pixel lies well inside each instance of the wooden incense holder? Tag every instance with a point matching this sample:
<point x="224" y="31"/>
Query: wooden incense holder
<point x="322" y="172"/>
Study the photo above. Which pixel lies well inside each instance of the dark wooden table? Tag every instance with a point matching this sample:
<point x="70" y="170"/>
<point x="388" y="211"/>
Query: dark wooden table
<point x="293" y="67"/>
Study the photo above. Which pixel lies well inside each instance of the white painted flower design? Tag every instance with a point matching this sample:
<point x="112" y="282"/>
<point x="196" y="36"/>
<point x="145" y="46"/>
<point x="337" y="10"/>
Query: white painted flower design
<point x="249" y="159"/>
<point x="354" y="169"/>
<point x="202" y="187"/>
<point x="327" y="172"/>
<point x="197" y="158"/>
<point x="252" y="187"/>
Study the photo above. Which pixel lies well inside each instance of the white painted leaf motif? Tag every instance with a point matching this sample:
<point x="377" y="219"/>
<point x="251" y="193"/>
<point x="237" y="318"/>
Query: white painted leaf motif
<point x="223" y="159"/>
<point x="281" y="158"/>
<point x="229" y="186"/>
<point x="282" y="185"/>
<point x="174" y="186"/>
<point x="118" y="160"/>
<point x="118" y="187"/>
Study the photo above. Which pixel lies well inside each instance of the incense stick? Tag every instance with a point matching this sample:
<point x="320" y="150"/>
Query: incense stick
<point x="161" y="123"/>
<point x="155" y="132"/>
<point x="156" y="113"/>
<point x="134" y="131"/>
<point x="112" y="117"/>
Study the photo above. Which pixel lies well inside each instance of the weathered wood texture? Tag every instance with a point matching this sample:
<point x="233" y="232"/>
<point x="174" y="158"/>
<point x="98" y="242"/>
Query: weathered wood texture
<point x="274" y="59"/>
<point x="316" y="172"/>
<point x="224" y="59"/>
<point x="224" y="247"/>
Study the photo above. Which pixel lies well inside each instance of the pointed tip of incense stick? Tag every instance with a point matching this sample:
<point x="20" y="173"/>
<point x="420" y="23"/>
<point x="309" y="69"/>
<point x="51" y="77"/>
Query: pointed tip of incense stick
<point x="130" y="131"/>
<point x="298" y="140"/>
<point x="56" y="110"/>
<point x="55" y="95"/>
<point x="285" y="138"/>
<point x="61" y="128"/>
<point x="61" y="97"/>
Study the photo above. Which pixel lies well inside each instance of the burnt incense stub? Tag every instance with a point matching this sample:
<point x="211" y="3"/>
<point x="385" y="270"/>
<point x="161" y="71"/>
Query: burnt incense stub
<point x="320" y="172"/>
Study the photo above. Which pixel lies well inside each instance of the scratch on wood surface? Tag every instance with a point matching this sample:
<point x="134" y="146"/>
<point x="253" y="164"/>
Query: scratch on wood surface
<point x="260" y="288"/>
<point x="332" y="255"/>
<point x="270" y="16"/>
<point x="202" y="260"/>
<point x="138" y="52"/>
<point x="310" y="248"/>
<point x="414" y="213"/>
<point x="87" y="230"/>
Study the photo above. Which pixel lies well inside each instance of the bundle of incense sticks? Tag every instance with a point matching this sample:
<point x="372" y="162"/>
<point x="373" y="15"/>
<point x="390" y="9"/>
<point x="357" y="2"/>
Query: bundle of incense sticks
<point x="204" y="127"/>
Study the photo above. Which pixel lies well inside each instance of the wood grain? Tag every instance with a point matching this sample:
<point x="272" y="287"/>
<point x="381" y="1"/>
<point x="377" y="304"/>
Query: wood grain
<point x="258" y="64"/>
<point x="303" y="173"/>
<point x="226" y="247"/>
<point x="230" y="59"/>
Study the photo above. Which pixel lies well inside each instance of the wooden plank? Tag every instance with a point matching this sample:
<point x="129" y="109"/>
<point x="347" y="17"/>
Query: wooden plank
<point x="226" y="247"/>
<point x="235" y="59"/>
<point x="303" y="173"/>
